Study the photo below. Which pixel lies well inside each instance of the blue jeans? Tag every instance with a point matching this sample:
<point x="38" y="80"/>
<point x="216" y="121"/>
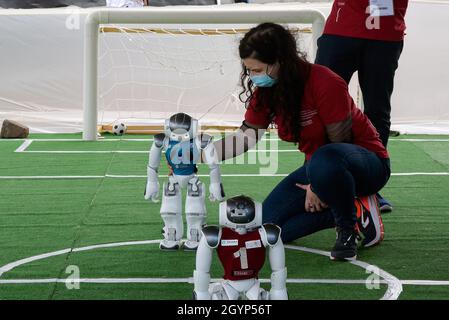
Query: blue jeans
<point x="337" y="172"/>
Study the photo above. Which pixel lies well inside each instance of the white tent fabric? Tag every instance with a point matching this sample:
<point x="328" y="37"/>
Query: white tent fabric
<point x="41" y="65"/>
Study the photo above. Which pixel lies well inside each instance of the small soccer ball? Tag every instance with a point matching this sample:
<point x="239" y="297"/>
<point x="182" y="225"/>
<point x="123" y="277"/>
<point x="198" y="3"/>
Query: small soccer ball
<point x="119" y="129"/>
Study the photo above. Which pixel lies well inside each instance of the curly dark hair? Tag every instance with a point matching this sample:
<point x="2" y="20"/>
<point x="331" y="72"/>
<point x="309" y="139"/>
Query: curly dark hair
<point x="271" y="43"/>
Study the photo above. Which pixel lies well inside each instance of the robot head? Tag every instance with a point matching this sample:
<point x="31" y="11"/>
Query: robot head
<point x="181" y="127"/>
<point x="240" y="212"/>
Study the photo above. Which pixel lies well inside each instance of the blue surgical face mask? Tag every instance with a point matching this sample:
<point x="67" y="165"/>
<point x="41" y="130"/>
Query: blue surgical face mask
<point x="263" y="80"/>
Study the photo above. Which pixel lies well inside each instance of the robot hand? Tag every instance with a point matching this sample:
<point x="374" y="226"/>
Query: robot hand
<point x="201" y="295"/>
<point x="152" y="191"/>
<point x="216" y="192"/>
<point x="278" y="289"/>
<point x="201" y="279"/>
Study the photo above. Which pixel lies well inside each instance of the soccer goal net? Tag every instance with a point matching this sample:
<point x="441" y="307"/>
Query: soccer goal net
<point x="143" y="65"/>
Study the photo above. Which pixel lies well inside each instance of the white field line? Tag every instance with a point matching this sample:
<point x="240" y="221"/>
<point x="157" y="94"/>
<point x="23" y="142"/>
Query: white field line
<point x="420" y="174"/>
<point x="83" y="152"/>
<point x="420" y="140"/>
<point x="392" y="293"/>
<point x="252" y="175"/>
<point x="282" y="175"/>
<point x="190" y="280"/>
<point x="126" y="176"/>
<point x="24" y="146"/>
<point x="12" y="265"/>
<point x="205" y="175"/>
<point x="49" y="177"/>
<point x="150" y="139"/>
<point x="394" y="285"/>
<point x="27" y="143"/>
<point x="78" y="140"/>
<point x="132" y="151"/>
<point x="425" y="282"/>
<point x="108" y="140"/>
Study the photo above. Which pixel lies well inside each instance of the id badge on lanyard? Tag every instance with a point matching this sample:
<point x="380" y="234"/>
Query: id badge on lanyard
<point x="381" y="8"/>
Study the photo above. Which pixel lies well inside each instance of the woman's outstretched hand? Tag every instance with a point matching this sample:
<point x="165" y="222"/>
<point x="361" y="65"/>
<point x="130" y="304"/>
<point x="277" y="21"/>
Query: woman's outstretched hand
<point x="313" y="203"/>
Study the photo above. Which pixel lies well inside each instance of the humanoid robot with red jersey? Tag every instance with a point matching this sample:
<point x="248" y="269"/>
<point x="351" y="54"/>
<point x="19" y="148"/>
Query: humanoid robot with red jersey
<point x="241" y="242"/>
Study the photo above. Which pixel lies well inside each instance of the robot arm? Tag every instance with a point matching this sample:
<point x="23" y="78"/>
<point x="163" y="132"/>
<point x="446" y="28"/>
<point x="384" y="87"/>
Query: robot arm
<point x="211" y="159"/>
<point x="201" y="276"/>
<point x="271" y="238"/>
<point x="152" y="188"/>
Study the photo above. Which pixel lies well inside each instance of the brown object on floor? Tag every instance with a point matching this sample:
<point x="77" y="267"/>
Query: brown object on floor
<point x="13" y="129"/>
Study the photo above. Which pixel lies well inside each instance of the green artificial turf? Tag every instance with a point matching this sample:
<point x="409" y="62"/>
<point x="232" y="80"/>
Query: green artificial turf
<point x="44" y="215"/>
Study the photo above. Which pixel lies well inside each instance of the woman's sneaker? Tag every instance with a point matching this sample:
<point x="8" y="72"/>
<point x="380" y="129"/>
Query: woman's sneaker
<point x="345" y="247"/>
<point x="369" y="221"/>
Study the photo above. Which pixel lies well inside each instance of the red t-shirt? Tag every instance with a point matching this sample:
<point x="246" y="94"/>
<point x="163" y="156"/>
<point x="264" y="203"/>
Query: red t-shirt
<point x="326" y="101"/>
<point x="242" y="256"/>
<point x="349" y="18"/>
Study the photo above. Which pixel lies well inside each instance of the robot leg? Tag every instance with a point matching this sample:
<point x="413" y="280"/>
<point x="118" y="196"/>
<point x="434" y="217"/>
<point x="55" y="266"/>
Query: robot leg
<point x="217" y="291"/>
<point x="256" y="292"/>
<point x="223" y="291"/>
<point x="171" y="213"/>
<point x="195" y="212"/>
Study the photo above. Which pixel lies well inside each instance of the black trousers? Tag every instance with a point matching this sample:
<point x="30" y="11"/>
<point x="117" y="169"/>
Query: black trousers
<point x="376" y="62"/>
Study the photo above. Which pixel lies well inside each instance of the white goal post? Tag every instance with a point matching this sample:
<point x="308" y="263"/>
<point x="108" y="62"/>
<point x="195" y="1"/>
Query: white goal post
<point x="251" y="14"/>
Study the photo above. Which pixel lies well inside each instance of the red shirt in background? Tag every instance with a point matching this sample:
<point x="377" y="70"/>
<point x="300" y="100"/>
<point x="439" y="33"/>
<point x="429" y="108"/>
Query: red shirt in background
<point x="326" y="101"/>
<point x="349" y="18"/>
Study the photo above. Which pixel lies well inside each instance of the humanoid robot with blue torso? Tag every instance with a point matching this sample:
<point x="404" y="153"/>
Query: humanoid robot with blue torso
<point x="183" y="148"/>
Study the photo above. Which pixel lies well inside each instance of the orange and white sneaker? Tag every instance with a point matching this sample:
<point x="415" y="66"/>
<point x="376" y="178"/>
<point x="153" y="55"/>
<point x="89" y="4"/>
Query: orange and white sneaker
<point x="369" y="221"/>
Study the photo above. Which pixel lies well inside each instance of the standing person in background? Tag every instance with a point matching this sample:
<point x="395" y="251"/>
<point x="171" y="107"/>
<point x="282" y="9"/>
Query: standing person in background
<point x="366" y="36"/>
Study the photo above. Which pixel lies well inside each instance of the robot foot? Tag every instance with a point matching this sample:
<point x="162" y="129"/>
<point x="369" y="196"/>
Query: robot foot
<point x="190" y="245"/>
<point x="168" y="245"/>
<point x="263" y="295"/>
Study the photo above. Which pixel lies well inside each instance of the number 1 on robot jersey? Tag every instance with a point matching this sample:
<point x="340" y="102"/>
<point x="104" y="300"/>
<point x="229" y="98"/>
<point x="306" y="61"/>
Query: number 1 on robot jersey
<point x="243" y="258"/>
